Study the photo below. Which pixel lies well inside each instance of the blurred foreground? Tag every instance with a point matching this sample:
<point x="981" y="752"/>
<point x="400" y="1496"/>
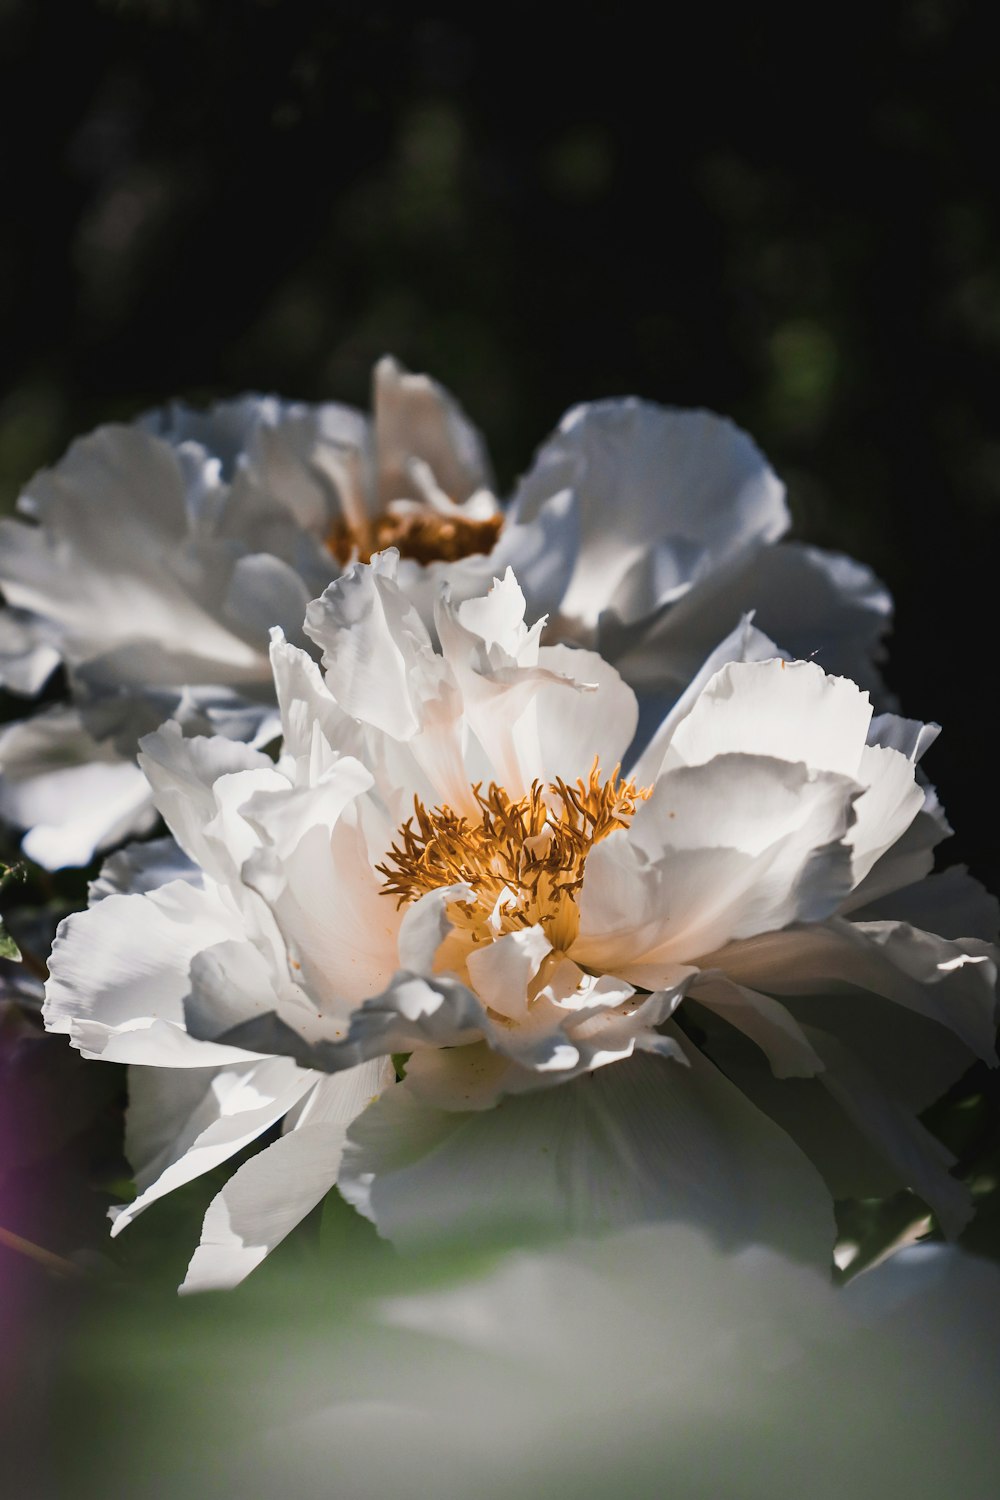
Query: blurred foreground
<point x="645" y="1364"/>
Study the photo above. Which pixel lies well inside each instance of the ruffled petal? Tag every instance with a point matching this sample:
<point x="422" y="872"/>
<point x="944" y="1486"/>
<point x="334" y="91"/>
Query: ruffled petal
<point x="656" y="729"/>
<point x="740" y="845"/>
<point x="121" y="510"/>
<point x="143" y="867"/>
<point x="274" y="1190"/>
<point x="952" y="904"/>
<point x="575" y="728"/>
<point x="790" y="710"/>
<point x="339" y="930"/>
<point x="889" y="804"/>
<point x="663" y="495"/>
<point x="27" y="657"/>
<point x="181" y="1124"/>
<point x="119" y="976"/>
<point x="416" y="418"/>
<point x="765" y="1021"/>
<point x="951" y="983"/>
<point x="542" y="555"/>
<point x="501" y="971"/>
<point x="643" y="1139"/>
<point x="187" y="777"/>
<point x="73" y="795"/>
<point x="412" y="1012"/>
<point x="305" y="703"/>
<point x="376" y="650"/>
<point x="821" y="606"/>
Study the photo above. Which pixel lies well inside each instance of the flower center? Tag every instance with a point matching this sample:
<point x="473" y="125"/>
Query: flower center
<point x="423" y="534"/>
<point x="524" y="859"/>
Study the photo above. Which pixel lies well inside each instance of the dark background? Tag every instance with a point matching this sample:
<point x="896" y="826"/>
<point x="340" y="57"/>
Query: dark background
<point x="790" y="219"/>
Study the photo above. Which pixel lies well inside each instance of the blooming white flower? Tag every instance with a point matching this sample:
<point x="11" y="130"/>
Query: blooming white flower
<point x="153" y="559"/>
<point x="447" y="863"/>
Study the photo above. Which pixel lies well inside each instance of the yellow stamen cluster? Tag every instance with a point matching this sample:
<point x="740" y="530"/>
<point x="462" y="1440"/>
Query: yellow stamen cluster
<point x="524" y="859"/>
<point x="424" y="535"/>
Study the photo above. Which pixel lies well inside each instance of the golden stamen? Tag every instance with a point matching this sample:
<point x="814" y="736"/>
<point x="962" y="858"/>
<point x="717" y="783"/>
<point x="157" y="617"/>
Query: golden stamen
<point x="524" y="859"/>
<point x="424" y="535"/>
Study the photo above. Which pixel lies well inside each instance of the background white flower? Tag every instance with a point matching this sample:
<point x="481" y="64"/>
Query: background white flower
<point x="153" y="559"/>
<point x="549" y="928"/>
<point x="678" y="513"/>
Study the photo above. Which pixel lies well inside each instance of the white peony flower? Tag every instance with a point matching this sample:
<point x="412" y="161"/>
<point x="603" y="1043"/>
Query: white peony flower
<point x="448" y="863"/>
<point x="153" y="559"/>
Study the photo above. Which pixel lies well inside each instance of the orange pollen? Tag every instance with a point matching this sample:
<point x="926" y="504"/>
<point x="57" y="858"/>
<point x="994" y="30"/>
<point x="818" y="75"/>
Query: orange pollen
<point x="524" y="859"/>
<point x="424" y="535"/>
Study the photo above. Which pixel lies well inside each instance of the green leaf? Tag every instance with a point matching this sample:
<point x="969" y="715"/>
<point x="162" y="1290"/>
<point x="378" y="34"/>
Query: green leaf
<point x="8" y="947"/>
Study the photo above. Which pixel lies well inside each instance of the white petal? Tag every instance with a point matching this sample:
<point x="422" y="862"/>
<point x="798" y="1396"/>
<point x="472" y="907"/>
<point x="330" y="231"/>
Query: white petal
<point x="819" y="605"/>
<point x="889" y="804"/>
<point x="765" y="1021"/>
<point x="791" y="710"/>
<point x="274" y="1190"/>
<point x="304" y="702"/>
<point x="119" y="976"/>
<point x="905" y="862"/>
<point x="181" y="1124"/>
<point x="232" y="987"/>
<point x="412" y="1012"/>
<point x="952" y="904"/>
<point x="371" y="638"/>
<point x="184" y="775"/>
<point x="143" y="867"/>
<point x="473" y="1077"/>
<point x="415" y="418"/>
<point x="495" y="662"/>
<point x="642" y="1139"/>
<point x="339" y="929"/>
<point x="264" y="592"/>
<point x="300" y="459"/>
<point x="684" y="488"/>
<point x="27" y="658"/>
<point x="747" y="802"/>
<point x="759" y="844"/>
<point x="425" y="926"/>
<point x="910" y="737"/>
<point x="74" y="796"/>
<point x="575" y="1024"/>
<point x="744" y="643"/>
<point x="117" y="504"/>
<point x="282" y="816"/>
<point x="952" y="983"/>
<point x="338" y="1098"/>
<point x="574" y="728"/>
<point x="381" y="669"/>
<point x="497" y="619"/>
<point x="121" y="710"/>
<point x="501" y="971"/>
<point x="541" y="553"/>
